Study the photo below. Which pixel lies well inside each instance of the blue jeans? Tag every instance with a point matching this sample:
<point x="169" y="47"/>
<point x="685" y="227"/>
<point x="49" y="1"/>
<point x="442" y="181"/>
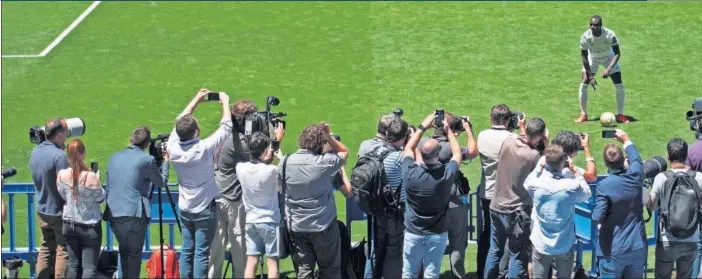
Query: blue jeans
<point x="628" y="265"/>
<point x="698" y="260"/>
<point x="502" y="228"/>
<point x="198" y="232"/>
<point x="423" y="250"/>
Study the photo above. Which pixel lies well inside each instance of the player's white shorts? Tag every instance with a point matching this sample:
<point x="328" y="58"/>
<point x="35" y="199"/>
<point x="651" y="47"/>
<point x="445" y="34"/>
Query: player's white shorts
<point x="596" y="63"/>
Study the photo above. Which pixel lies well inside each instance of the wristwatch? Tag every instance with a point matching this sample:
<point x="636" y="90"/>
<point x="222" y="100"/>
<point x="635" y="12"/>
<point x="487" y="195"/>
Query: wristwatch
<point x="421" y="127"/>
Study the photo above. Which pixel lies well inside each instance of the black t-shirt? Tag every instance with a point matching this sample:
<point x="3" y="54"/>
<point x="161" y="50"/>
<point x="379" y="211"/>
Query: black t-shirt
<point x="428" y="192"/>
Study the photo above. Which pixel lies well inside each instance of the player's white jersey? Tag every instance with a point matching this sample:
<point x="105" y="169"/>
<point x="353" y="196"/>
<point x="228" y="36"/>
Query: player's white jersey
<point x="599" y="47"/>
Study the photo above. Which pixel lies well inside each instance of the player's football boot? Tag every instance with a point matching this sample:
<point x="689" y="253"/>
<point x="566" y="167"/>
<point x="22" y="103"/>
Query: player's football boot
<point x="622" y="119"/>
<point x="582" y="118"/>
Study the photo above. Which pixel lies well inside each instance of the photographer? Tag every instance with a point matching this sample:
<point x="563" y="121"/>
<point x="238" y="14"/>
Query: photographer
<point x="511" y="205"/>
<point x="379" y="139"/>
<point x="555" y="196"/>
<point x="427" y="184"/>
<point x="46" y="161"/>
<point x="676" y="248"/>
<point x="388" y="225"/>
<point x="309" y="202"/>
<point x="457" y="214"/>
<point x="489" y="145"/>
<point x="231" y="215"/>
<point x="622" y="248"/>
<point x="259" y="186"/>
<point x="192" y="159"/>
<point x="130" y="174"/>
<point x="82" y="230"/>
<point x="571" y="143"/>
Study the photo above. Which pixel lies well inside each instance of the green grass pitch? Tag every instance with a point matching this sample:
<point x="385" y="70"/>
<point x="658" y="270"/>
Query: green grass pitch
<point x="133" y="63"/>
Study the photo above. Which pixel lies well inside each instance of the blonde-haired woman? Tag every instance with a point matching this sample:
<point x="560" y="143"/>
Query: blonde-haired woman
<point x="83" y="193"/>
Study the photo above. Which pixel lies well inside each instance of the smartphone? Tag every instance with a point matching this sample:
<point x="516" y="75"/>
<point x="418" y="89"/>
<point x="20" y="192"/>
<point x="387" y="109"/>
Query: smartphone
<point x="609" y="134"/>
<point x="213" y="96"/>
<point x="94" y="167"/>
<point x="439" y="120"/>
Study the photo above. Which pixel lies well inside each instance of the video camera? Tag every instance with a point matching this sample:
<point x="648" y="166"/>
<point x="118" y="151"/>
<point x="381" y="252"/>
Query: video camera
<point x="265" y="121"/>
<point x="398" y="112"/>
<point x="157" y="146"/>
<point x="514" y="120"/>
<point x="75" y="127"/>
<point x="7" y="173"/>
<point x="695" y="118"/>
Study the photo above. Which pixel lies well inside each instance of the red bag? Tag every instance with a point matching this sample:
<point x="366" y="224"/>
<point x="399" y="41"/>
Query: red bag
<point x="154" y="266"/>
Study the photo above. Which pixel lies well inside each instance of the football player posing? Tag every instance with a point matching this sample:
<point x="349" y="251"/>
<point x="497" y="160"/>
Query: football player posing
<point x="600" y="46"/>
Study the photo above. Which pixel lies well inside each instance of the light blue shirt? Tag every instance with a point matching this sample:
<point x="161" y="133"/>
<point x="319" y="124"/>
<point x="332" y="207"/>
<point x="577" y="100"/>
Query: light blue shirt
<point x="193" y="160"/>
<point x="554" y="196"/>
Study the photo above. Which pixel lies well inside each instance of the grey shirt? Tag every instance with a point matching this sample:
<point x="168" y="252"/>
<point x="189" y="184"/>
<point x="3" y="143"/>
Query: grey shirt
<point x="369" y="145"/>
<point x="444" y="157"/>
<point x="309" y="194"/>
<point x="489" y="145"/>
<point x="234" y="151"/>
<point x="45" y="162"/>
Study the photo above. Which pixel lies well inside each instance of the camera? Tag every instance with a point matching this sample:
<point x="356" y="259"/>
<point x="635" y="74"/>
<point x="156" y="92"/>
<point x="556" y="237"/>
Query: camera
<point x="695" y="117"/>
<point x="265" y="121"/>
<point x="514" y="120"/>
<point x="75" y="127"/>
<point x="457" y="124"/>
<point x="10" y="172"/>
<point x="157" y="146"/>
<point x="398" y="112"/>
<point x="654" y="166"/>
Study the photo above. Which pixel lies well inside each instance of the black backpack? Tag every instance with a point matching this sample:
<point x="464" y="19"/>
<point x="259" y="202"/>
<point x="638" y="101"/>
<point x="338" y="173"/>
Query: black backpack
<point x="368" y="180"/>
<point x="680" y="203"/>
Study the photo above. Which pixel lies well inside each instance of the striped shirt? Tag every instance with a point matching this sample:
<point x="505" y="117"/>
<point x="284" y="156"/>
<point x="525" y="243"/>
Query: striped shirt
<point x="393" y="172"/>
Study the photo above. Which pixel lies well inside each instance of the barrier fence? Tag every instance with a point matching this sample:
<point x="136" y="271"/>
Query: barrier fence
<point x="586" y="228"/>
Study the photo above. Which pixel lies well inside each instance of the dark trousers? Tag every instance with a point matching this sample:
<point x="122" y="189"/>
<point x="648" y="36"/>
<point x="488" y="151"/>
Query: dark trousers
<point x="388" y="241"/>
<point x="320" y="248"/>
<point x="458" y="239"/>
<point x="130" y="233"/>
<point x="83" y="246"/>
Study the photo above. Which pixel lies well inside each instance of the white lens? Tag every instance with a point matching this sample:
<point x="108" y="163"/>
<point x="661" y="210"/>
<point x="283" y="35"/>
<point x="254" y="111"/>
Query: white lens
<point x="76" y="126"/>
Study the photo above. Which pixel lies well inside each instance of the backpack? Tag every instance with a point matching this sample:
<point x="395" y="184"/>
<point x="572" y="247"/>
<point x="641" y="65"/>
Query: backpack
<point x="154" y="266"/>
<point x="680" y="204"/>
<point x="368" y="180"/>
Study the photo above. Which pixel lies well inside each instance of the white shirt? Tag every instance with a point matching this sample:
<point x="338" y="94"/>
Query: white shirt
<point x="193" y="160"/>
<point x="599" y="47"/>
<point x="259" y="191"/>
<point x="657" y="191"/>
<point x="489" y="145"/>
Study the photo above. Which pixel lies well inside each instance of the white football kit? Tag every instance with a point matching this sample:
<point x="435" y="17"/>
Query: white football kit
<point x="600" y="49"/>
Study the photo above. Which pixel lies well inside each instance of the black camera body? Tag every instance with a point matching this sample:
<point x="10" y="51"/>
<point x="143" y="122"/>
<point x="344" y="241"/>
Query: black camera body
<point x="695" y="117"/>
<point x="36" y="134"/>
<point x="158" y="144"/>
<point x="514" y="120"/>
<point x="398" y="112"/>
<point x="265" y="121"/>
<point x="9" y="172"/>
<point x="457" y="124"/>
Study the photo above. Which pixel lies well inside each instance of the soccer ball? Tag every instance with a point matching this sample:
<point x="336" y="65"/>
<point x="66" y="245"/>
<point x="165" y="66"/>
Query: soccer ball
<point x="607" y="119"/>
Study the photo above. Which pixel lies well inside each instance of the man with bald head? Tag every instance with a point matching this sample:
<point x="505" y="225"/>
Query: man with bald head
<point x="46" y="161"/>
<point x="427" y="185"/>
<point x="457" y="213"/>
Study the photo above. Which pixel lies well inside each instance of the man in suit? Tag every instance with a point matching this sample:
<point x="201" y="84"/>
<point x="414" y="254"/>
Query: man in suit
<point x="130" y="173"/>
<point x="622" y="247"/>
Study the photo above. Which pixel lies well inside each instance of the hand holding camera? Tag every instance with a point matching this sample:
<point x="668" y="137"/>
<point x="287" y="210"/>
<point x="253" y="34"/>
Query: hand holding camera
<point x="279" y="132"/>
<point x="203" y="94"/>
<point x="584" y="141"/>
<point x="621" y="136"/>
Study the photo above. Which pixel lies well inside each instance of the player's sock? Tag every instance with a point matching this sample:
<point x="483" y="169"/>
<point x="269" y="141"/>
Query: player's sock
<point x="583" y="97"/>
<point x="620" y="97"/>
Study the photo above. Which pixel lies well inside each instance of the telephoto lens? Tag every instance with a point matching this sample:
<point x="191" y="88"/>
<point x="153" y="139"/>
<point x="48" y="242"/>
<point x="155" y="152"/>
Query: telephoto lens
<point x="7" y="173"/>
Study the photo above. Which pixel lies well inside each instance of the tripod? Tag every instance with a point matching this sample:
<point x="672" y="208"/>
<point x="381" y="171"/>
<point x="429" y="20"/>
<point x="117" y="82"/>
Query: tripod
<point x="160" y="220"/>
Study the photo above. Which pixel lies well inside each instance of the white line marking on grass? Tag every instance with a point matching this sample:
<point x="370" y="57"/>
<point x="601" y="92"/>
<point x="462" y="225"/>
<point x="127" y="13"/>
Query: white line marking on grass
<point x="61" y="36"/>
